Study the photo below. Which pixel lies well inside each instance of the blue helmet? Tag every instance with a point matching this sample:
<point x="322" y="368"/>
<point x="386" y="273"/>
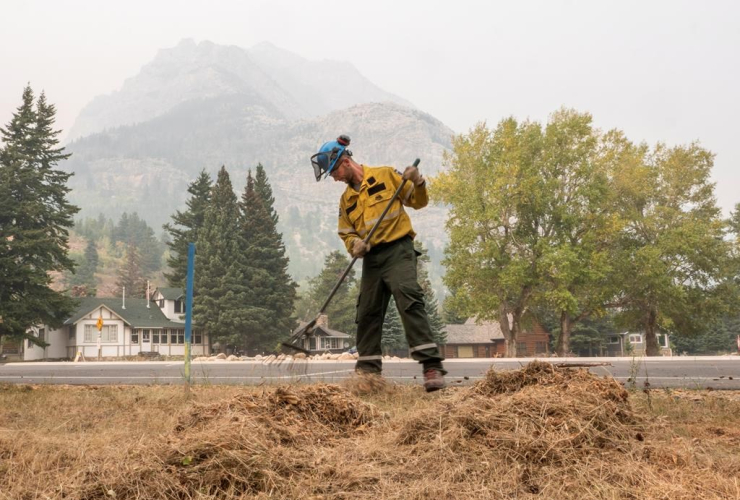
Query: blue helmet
<point x="329" y="155"/>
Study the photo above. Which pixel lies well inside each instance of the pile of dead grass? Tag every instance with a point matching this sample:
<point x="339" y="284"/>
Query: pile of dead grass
<point x="539" y="432"/>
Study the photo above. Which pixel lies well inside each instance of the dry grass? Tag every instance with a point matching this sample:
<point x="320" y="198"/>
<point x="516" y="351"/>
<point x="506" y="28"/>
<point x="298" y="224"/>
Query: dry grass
<point x="539" y="432"/>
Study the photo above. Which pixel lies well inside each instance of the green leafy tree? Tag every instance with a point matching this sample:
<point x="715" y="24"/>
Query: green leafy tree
<point x="576" y="220"/>
<point x="342" y="310"/>
<point x="35" y="219"/>
<point x="673" y="256"/>
<point x="494" y="190"/>
<point x="265" y="261"/>
<point x="222" y="304"/>
<point x="185" y="227"/>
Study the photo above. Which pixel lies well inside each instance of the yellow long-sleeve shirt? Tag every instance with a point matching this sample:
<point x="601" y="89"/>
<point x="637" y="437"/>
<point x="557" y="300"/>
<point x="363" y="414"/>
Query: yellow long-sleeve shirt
<point x="359" y="210"/>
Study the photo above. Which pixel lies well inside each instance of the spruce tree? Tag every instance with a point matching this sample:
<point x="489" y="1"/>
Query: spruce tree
<point x="430" y="300"/>
<point x="342" y="310"/>
<point x="35" y="218"/>
<point x="131" y="274"/>
<point x="84" y="278"/>
<point x="393" y="333"/>
<point x="185" y="227"/>
<point x="223" y="304"/>
<point x="266" y="265"/>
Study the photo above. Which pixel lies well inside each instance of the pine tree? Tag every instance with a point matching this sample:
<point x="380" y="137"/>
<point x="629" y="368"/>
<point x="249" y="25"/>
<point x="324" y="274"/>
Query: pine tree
<point x="342" y="310"/>
<point x="430" y="300"/>
<point x="131" y="274"/>
<point x="266" y="265"/>
<point x="35" y="218"/>
<point x="393" y="333"/>
<point x="85" y="275"/>
<point x="185" y="227"/>
<point x="132" y="228"/>
<point x="222" y="305"/>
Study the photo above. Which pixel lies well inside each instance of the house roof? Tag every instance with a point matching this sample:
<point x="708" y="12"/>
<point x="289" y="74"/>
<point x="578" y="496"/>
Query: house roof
<point x="322" y="331"/>
<point x="136" y="313"/>
<point x="470" y="333"/>
<point x="171" y="293"/>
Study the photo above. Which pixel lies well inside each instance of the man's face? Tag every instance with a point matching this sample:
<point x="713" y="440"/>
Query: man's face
<point x="341" y="172"/>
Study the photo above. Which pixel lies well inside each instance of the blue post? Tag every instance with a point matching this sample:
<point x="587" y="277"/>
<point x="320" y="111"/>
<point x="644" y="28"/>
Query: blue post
<point x="189" y="309"/>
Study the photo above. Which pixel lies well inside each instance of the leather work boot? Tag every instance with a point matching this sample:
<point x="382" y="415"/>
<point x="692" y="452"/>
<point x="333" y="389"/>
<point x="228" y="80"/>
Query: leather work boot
<point x="433" y="380"/>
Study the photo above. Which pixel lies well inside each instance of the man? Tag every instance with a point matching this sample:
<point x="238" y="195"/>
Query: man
<point x="389" y="258"/>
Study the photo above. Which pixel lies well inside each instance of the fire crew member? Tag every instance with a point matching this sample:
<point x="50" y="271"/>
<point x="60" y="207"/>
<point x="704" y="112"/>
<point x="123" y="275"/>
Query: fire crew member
<point x="389" y="258"/>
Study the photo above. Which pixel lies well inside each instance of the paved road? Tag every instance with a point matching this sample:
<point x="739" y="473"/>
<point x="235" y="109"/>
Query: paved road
<point x="687" y="372"/>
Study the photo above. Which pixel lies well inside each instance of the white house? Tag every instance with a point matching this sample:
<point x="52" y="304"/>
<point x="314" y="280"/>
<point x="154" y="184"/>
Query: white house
<point x="129" y="327"/>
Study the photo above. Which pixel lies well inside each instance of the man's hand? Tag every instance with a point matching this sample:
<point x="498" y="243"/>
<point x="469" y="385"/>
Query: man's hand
<point x="360" y="248"/>
<point x="412" y="174"/>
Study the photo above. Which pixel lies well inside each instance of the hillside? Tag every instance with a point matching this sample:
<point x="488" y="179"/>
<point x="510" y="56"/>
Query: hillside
<point x="154" y="136"/>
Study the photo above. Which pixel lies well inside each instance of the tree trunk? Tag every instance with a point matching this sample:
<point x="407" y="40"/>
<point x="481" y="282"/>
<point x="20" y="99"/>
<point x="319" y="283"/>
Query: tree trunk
<point x="563" y="345"/>
<point x="651" y="327"/>
<point x="509" y="335"/>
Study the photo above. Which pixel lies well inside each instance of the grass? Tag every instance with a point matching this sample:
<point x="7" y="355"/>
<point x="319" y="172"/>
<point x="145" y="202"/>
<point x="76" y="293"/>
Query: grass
<point x="532" y="433"/>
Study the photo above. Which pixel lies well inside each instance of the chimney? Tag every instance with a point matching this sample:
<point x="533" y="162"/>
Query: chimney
<point x="123" y="306"/>
<point x="147" y="294"/>
<point x="323" y="320"/>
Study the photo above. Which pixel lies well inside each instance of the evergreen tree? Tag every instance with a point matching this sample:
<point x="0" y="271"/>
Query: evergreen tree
<point x="131" y="228"/>
<point x="35" y="218"/>
<point x="131" y="274"/>
<point x="342" y="310"/>
<point x="266" y="265"/>
<point x="393" y="333"/>
<point x="185" y="227"/>
<point x="430" y="300"/>
<point x="85" y="275"/>
<point x="222" y="306"/>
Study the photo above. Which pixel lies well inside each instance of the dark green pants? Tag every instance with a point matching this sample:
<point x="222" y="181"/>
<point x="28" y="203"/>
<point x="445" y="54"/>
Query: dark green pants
<point x="390" y="270"/>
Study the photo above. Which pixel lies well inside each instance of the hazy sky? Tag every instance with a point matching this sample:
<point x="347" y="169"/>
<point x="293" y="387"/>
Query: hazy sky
<point x="663" y="71"/>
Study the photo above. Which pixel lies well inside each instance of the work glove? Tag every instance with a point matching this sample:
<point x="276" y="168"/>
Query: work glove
<point x="360" y="248"/>
<point x="412" y="174"/>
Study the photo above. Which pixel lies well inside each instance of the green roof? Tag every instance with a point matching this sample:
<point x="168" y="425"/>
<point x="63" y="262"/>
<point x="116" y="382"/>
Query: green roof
<point x="136" y="313"/>
<point x="171" y="293"/>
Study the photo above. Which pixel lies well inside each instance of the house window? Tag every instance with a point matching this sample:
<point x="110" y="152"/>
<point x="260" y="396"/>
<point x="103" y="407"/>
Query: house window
<point x="173" y="336"/>
<point x="42" y="334"/>
<point x="465" y="351"/>
<point x="635" y="338"/>
<point x="312" y="343"/>
<point x="521" y="348"/>
<point x="540" y="347"/>
<point x="30" y="344"/>
<point x="614" y="340"/>
<point x="145" y="336"/>
<point x="155" y="336"/>
<point x="198" y="337"/>
<point x="161" y="303"/>
<point x="180" y="336"/>
<point x="72" y="333"/>
<point x="108" y="334"/>
<point x="331" y="343"/>
<point x="134" y="336"/>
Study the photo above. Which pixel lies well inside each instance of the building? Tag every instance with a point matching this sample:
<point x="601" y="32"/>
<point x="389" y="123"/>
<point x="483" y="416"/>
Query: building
<point x="324" y="339"/>
<point x="633" y="344"/>
<point x="129" y="327"/>
<point x="486" y="340"/>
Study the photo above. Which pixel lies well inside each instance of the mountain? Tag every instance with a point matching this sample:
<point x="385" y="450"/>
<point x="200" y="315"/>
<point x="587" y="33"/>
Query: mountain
<point x="138" y="149"/>
<point x="294" y="87"/>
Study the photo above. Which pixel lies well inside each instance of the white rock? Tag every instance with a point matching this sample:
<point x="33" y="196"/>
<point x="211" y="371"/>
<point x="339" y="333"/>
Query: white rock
<point x="221" y="356"/>
<point x="334" y="357"/>
<point x="300" y="355"/>
<point x="346" y="356"/>
<point x="232" y="358"/>
<point x="258" y="357"/>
